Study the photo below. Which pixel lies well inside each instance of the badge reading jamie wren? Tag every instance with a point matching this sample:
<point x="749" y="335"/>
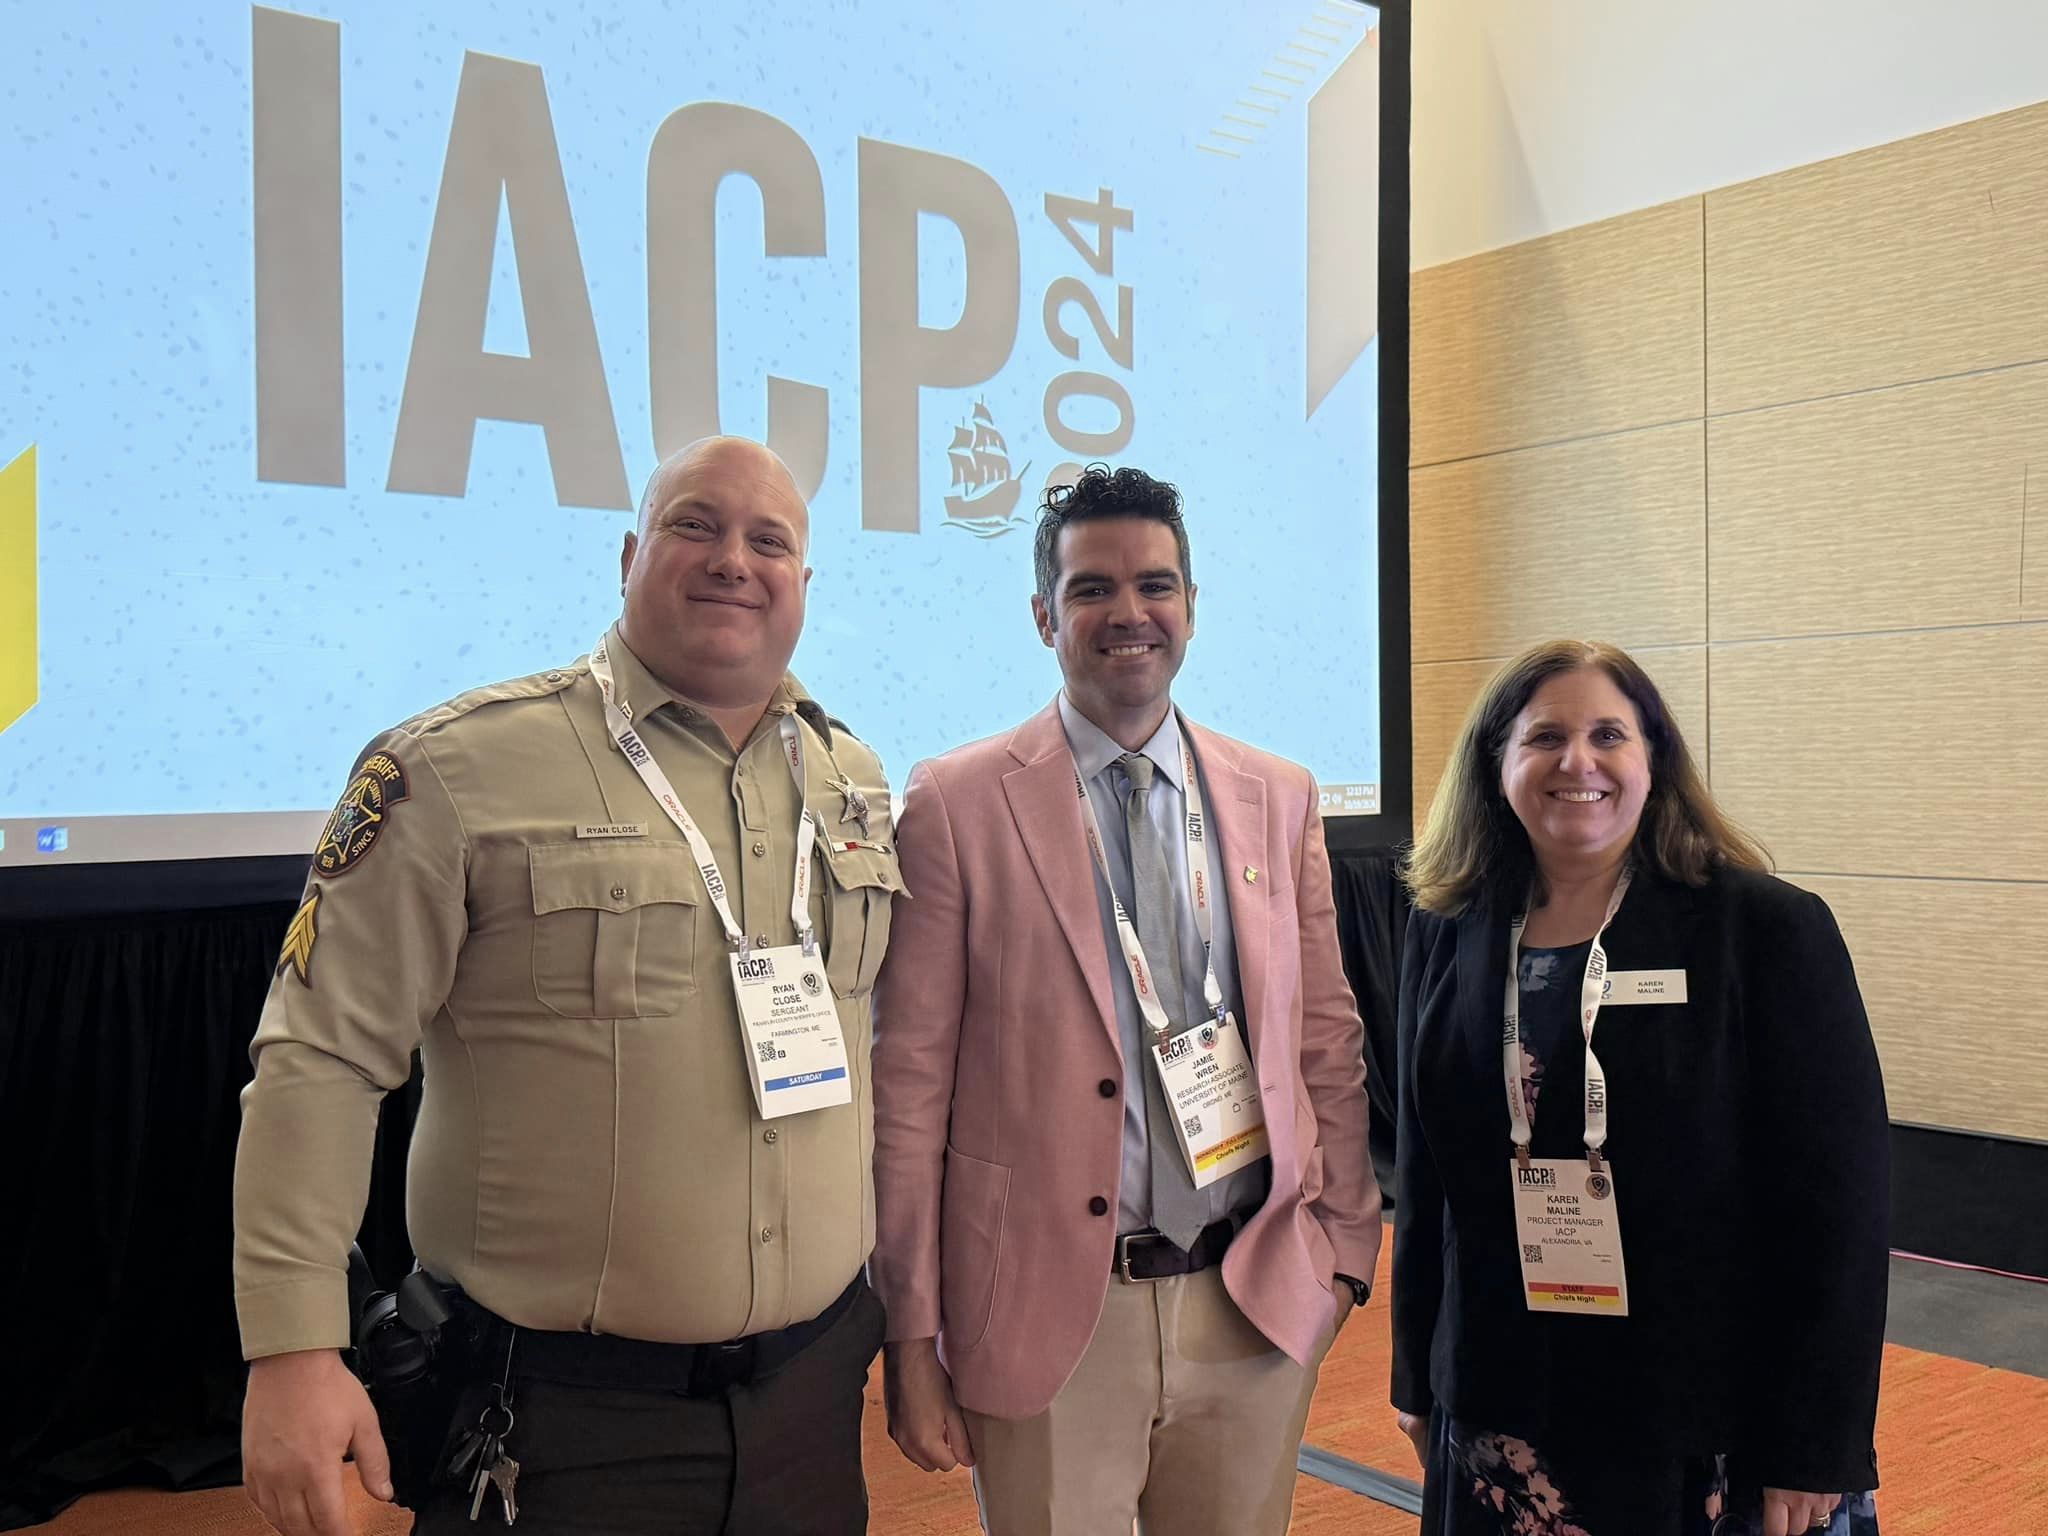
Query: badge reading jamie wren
<point x="1219" y="1116"/>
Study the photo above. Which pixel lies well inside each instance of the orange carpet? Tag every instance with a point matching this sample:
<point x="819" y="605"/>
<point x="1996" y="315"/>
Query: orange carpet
<point x="1961" y="1448"/>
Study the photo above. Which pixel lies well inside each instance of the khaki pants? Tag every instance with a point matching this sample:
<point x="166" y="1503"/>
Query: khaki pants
<point x="1181" y="1416"/>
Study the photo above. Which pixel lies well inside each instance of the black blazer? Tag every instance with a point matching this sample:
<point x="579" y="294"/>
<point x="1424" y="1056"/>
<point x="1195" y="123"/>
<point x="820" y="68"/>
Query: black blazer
<point x="1749" y="1142"/>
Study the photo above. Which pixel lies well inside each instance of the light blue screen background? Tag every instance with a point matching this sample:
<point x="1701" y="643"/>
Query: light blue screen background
<point x="215" y="643"/>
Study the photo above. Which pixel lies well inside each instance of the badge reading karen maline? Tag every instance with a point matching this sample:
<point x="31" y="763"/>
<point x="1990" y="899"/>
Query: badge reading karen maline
<point x="351" y="832"/>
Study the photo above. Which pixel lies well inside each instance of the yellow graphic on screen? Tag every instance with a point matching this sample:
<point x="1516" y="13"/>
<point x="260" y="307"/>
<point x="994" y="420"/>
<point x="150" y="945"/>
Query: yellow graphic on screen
<point x="17" y="588"/>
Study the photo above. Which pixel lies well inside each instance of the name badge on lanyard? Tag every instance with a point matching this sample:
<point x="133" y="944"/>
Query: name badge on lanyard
<point x="796" y="1053"/>
<point x="789" y="1023"/>
<point x="1218" y="1113"/>
<point x="1219" y="1116"/>
<point x="1566" y="1219"/>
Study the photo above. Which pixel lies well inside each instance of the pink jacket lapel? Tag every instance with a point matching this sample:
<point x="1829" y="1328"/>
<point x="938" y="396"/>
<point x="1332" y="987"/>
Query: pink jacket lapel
<point x="1237" y="811"/>
<point x="1047" y="810"/>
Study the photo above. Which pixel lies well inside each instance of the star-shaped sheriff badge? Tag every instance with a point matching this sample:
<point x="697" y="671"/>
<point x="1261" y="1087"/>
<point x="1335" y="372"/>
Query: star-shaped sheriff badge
<point x="856" y="807"/>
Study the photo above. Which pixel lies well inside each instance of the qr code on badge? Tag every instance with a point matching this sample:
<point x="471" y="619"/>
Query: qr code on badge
<point x="1192" y="1125"/>
<point x="765" y="1049"/>
<point x="1532" y="1253"/>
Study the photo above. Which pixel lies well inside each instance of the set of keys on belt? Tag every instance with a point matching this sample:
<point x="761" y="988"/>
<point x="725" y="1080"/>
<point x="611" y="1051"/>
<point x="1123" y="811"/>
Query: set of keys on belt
<point x="481" y="1457"/>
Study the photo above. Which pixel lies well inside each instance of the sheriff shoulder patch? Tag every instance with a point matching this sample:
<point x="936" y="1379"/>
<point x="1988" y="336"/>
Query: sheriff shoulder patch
<point x="352" y="831"/>
<point x="299" y="939"/>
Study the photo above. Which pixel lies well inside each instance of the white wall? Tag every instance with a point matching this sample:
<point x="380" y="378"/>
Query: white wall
<point x="1533" y="116"/>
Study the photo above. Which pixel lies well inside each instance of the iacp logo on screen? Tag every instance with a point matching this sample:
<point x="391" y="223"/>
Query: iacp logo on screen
<point x="502" y="151"/>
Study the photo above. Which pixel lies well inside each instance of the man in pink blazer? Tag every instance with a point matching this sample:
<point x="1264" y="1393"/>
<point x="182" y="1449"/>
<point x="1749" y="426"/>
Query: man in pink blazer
<point x="1113" y="1309"/>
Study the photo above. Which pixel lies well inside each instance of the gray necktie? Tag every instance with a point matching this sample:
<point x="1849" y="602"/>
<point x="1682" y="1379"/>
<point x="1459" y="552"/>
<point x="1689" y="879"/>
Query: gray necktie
<point x="1178" y="1209"/>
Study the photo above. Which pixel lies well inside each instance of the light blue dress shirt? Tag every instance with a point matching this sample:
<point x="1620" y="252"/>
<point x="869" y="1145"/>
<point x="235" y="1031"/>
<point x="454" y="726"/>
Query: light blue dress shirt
<point x="1095" y="753"/>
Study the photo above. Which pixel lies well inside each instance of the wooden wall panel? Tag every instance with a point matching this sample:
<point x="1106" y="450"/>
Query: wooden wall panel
<point x="2034" y="547"/>
<point x="1443" y="691"/>
<point x="1921" y="753"/>
<point x="1894" y="509"/>
<point x="1588" y="331"/>
<point x="1681" y="675"/>
<point x="1793" y="435"/>
<point x="1960" y="1044"/>
<point x="1918" y="259"/>
<point x="1603" y="539"/>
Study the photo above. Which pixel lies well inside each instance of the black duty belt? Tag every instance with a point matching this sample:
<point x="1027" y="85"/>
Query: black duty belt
<point x="642" y="1365"/>
<point x="1151" y="1255"/>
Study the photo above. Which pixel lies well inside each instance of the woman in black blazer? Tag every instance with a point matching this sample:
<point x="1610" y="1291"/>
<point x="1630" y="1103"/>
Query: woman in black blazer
<point x="1652" y="1303"/>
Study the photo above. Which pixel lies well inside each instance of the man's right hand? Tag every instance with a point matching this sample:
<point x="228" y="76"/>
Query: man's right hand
<point x="302" y="1412"/>
<point x="924" y="1420"/>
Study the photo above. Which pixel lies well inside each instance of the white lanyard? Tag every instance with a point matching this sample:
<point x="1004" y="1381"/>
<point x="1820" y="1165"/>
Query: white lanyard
<point x="618" y="720"/>
<point x="1196" y="830"/>
<point x="1590" y="992"/>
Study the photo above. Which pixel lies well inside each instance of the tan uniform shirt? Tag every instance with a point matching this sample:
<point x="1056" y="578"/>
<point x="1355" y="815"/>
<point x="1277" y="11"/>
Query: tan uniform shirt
<point x="587" y="1154"/>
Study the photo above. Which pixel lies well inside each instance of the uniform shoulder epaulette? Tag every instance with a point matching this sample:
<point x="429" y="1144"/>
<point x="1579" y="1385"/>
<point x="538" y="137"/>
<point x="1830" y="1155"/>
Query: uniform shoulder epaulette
<point x="843" y="735"/>
<point x="535" y="685"/>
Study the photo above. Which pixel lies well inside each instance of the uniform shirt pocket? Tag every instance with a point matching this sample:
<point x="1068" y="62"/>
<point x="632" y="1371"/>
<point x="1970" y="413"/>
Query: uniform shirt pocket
<point x="862" y="883"/>
<point x="614" y="928"/>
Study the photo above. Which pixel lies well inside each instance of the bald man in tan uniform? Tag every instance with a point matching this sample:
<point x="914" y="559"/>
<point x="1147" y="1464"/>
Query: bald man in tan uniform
<point x="674" y="1275"/>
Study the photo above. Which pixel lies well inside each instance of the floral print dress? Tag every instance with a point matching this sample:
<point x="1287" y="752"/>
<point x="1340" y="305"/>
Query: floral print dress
<point x="1484" y="1484"/>
<point x="1497" y="1485"/>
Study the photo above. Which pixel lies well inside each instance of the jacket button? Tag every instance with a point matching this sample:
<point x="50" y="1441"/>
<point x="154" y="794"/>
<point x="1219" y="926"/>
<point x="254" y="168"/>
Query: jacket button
<point x="1106" y="1088"/>
<point x="1097" y="1206"/>
<point x="618" y="893"/>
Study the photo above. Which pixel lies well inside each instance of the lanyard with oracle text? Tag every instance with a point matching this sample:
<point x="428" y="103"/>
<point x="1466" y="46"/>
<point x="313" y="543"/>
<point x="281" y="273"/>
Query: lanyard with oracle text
<point x="1590" y="993"/>
<point x="1196" y="831"/>
<point x="619" y="721"/>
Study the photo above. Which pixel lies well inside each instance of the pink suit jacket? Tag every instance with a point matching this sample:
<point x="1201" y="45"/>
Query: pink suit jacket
<point x="999" y="1077"/>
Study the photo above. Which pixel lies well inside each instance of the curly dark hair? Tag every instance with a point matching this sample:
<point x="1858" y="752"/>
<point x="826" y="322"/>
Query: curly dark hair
<point x="1105" y="492"/>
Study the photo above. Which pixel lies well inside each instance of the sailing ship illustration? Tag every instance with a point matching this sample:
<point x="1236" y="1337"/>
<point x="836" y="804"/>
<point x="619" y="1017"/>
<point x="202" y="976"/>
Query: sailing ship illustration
<point x="984" y="496"/>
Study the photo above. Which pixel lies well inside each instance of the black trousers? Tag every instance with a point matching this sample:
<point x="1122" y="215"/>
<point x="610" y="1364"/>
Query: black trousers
<point x="779" y="1456"/>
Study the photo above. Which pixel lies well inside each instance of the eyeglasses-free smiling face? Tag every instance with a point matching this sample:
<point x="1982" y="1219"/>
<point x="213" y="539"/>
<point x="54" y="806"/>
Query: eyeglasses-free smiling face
<point x="714" y="579"/>
<point x="1120" y="620"/>
<point x="1576" y="769"/>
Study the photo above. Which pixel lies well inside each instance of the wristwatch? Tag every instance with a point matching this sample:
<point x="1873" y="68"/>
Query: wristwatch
<point x="1360" y="1291"/>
